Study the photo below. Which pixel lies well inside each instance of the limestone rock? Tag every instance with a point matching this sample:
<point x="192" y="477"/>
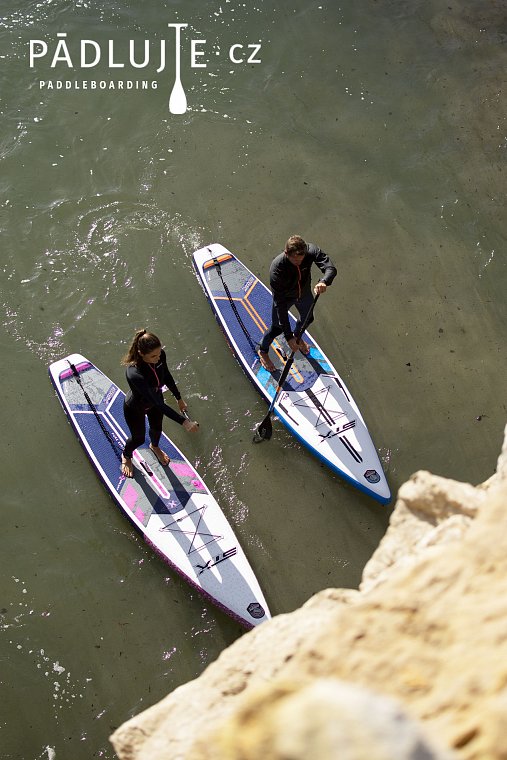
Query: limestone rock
<point x="430" y="510"/>
<point x="166" y="730"/>
<point x="429" y="632"/>
<point x="325" y="719"/>
<point x="500" y="475"/>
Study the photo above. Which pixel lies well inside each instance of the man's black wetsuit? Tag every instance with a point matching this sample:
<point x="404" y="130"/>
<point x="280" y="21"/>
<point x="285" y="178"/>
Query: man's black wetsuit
<point x="291" y="286"/>
<point x="145" y="399"/>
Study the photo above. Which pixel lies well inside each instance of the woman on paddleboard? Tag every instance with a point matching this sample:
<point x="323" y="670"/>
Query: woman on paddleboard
<point x="147" y="372"/>
<point x="290" y="281"/>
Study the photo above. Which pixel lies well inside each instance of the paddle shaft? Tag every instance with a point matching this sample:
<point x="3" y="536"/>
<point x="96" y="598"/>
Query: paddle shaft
<point x="290" y="360"/>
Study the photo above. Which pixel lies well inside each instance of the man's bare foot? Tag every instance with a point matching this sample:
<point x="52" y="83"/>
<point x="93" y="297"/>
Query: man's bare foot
<point x="266" y="361"/>
<point x="304" y="347"/>
<point x="161" y="455"/>
<point x="127" y="468"/>
<point x="191" y="426"/>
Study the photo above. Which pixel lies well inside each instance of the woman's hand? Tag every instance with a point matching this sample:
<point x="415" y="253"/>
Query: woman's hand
<point x="182" y="405"/>
<point x="191" y="426"/>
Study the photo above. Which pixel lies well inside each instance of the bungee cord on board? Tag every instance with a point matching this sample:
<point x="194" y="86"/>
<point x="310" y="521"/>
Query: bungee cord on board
<point x="233" y="305"/>
<point x="112" y="442"/>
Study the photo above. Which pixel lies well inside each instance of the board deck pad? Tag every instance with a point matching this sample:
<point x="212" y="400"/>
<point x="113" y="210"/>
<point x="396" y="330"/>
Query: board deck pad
<point x="171" y="506"/>
<point x="314" y="403"/>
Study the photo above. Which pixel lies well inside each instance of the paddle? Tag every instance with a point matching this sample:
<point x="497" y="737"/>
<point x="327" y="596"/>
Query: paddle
<point x="265" y="429"/>
<point x="185" y="414"/>
<point x="177" y="99"/>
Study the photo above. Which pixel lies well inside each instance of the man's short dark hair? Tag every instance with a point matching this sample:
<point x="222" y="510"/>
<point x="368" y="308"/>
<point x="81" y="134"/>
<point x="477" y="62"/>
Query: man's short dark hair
<point x="295" y="244"/>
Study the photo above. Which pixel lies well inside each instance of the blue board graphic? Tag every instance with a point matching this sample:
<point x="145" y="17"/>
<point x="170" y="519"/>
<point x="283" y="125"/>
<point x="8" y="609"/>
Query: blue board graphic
<point x="314" y="403"/>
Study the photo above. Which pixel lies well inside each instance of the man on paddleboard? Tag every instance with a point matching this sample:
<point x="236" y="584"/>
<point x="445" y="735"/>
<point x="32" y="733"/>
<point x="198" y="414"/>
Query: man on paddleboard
<point x="290" y="280"/>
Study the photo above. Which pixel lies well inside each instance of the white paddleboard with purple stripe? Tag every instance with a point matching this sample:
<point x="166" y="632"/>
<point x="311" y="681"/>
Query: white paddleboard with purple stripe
<point x="171" y="506"/>
<point x="314" y="403"/>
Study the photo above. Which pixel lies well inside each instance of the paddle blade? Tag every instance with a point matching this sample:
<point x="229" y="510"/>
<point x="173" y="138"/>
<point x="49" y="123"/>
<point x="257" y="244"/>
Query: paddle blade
<point x="264" y="431"/>
<point x="178" y="99"/>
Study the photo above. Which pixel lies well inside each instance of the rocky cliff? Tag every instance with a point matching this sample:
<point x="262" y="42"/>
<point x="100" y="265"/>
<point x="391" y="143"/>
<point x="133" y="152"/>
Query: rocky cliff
<point x="412" y="665"/>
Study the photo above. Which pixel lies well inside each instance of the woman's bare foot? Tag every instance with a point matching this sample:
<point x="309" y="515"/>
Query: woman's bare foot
<point x="127" y="468"/>
<point x="191" y="426"/>
<point x="161" y="455"/>
<point x="266" y="361"/>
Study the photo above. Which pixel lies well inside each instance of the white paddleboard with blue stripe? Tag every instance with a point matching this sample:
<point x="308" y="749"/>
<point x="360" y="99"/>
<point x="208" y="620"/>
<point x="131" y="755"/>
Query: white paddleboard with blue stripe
<point x="171" y="506"/>
<point x="314" y="403"/>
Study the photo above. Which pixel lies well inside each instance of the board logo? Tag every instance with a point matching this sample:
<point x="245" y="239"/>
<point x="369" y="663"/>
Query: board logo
<point x="67" y="64"/>
<point x="255" y="610"/>
<point x="216" y="561"/>
<point x="372" y="476"/>
<point x="248" y="284"/>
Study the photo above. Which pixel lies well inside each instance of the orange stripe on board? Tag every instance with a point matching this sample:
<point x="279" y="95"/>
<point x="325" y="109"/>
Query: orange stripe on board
<point x="296" y="374"/>
<point x="257" y="319"/>
<point x="298" y="377"/>
<point x="255" y="315"/>
<point x="214" y="262"/>
<point x="249" y="310"/>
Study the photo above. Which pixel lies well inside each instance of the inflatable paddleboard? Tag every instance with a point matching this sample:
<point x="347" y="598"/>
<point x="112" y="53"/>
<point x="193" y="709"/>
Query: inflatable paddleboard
<point x="171" y="506"/>
<point x="314" y="403"/>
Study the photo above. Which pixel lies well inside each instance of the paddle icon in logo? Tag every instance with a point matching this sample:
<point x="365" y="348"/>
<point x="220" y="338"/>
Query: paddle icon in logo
<point x="177" y="99"/>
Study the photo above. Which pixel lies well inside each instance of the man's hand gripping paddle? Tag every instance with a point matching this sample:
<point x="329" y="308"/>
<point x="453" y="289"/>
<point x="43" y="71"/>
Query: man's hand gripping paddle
<point x="265" y="429"/>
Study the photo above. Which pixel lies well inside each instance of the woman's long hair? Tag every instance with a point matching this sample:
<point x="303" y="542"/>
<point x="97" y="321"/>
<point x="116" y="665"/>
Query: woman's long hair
<point x="143" y="343"/>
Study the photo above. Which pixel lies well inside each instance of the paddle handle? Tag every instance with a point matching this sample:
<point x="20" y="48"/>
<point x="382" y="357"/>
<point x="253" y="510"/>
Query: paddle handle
<point x="187" y="417"/>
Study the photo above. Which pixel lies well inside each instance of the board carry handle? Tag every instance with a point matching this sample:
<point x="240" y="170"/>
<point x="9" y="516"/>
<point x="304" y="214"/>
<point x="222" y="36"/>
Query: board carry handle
<point x="217" y="260"/>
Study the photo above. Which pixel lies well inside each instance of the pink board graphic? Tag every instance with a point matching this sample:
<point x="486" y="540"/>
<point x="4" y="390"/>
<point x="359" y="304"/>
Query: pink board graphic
<point x="171" y="506"/>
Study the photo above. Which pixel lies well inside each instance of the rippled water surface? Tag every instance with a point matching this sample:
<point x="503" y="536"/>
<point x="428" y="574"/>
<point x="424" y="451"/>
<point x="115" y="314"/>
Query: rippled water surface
<point x="376" y="130"/>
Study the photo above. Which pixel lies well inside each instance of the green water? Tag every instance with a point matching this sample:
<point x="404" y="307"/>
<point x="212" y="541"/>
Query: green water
<point x="376" y="130"/>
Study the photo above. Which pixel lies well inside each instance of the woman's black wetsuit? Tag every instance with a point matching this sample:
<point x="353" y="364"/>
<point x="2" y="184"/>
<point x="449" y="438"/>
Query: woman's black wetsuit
<point x="145" y="399"/>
